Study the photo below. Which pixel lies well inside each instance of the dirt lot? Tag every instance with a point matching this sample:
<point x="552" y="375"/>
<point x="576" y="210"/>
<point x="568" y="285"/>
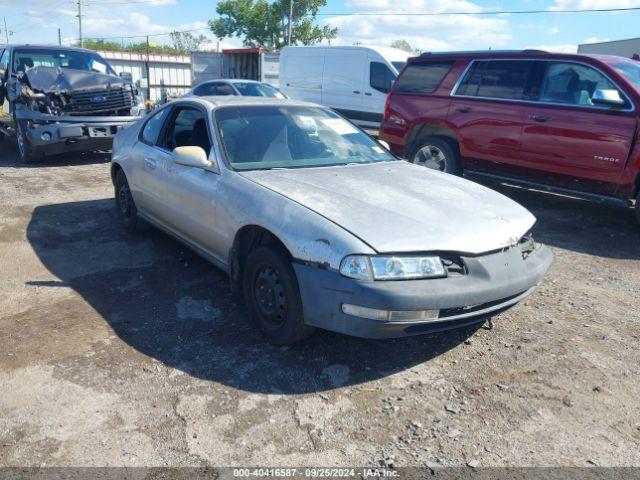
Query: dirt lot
<point x="130" y="350"/>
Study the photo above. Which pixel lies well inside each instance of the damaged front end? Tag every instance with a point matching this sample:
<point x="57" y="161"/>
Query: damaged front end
<point x="59" y="110"/>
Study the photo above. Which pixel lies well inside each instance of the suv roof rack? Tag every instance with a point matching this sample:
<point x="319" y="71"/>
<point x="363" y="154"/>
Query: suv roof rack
<point x="487" y="52"/>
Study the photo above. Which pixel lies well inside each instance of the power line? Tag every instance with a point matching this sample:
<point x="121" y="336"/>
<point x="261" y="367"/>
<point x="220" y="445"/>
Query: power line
<point x="491" y="12"/>
<point x="148" y="35"/>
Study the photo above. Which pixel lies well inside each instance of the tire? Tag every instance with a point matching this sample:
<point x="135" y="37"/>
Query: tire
<point x="125" y="205"/>
<point x="272" y="296"/>
<point x="26" y="152"/>
<point x="638" y="208"/>
<point x="437" y="153"/>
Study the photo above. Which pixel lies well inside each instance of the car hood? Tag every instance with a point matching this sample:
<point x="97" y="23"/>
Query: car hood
<point x="400" y="207"/>
<point x="54" y="79"/>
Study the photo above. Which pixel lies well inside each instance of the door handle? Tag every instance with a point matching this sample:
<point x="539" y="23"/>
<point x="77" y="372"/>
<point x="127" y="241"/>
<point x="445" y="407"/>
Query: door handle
<point x="538" y="118"/>
<point x="463" y="109"/>
<point x="150" y="163"/>
<point x="357" y="92"/>
<point x="368" y="94"/>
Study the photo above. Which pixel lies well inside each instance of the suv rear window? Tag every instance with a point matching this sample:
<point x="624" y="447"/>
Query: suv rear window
<point x="497" y="79"/>
<point x="422" y="77"/>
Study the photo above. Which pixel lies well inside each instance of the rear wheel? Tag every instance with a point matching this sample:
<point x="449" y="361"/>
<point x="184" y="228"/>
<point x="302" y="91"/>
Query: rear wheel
<point x="272" y="296"/>
<point x="638" y="208"/>
<point x="127" y="210"/>
<point x="26" y="151"/>
<point x="436" y="153"/>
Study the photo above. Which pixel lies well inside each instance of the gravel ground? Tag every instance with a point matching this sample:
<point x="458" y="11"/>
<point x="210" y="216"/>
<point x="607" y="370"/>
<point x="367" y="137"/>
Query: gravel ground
<point x="130" y="350"/>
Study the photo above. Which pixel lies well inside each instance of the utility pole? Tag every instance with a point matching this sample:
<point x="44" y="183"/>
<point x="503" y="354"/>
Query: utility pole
<point x="290" y="20"/>
<point x="6" y="31"/>
<point x="80" y="22"/>
<point x="59" y="38"/>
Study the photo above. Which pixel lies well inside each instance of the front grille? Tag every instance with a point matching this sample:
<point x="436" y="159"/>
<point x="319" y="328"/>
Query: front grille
<point x="103" y="100"/>
<point x="452" y="312"/>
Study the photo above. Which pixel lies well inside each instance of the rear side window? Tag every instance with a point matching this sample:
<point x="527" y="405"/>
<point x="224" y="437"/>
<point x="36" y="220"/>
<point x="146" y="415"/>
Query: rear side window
<point x="153" y="126"/>
<point x="381" y="77"/>
<point x="508" y="79"/>
<point x="205" y="89"/>
<point x="224" y="89"/>
<point x="422" y="77"/>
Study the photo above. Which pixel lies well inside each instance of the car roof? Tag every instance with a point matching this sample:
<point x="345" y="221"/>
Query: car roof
<point x="232" y="100"/>
<point x="527" y="53"/>
<point x="230" y="80"/>
<point x="27" y="46"/>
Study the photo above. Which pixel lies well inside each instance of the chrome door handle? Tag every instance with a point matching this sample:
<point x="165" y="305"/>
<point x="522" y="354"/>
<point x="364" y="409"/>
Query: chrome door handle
<point x="150" y="163"/>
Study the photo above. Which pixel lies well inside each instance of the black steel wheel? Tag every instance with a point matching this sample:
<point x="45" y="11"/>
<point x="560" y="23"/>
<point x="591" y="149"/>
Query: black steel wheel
<point x="125" y="205"/>
<point x="272" y="296"/>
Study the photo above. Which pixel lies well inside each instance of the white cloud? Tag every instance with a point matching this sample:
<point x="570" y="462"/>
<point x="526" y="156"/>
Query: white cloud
<point x="447" y="32"/>
<point x="593" y="4"/>
<point x="563" y="48"/>
<point x="595" y="40"/>
<point x="554" y="30"/>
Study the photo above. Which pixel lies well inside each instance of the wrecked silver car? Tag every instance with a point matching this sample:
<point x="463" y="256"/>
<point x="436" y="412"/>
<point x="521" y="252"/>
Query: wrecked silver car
<point x="318" y="225"/>
<point x="58" y="100"/>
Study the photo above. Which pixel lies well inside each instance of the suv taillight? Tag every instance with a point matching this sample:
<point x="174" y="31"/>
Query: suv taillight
<point x="386" y="107"/>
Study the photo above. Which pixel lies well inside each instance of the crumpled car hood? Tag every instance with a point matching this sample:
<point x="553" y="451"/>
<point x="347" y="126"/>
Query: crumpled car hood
<point x="399" y="207"/>
<point x="54" y="79"/>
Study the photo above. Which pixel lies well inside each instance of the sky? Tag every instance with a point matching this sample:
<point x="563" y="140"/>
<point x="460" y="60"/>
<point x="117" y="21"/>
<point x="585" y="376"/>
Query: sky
<point x="37" y="21"/>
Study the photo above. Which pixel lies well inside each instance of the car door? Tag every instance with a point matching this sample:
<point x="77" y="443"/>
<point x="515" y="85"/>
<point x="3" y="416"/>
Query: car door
<point x="568" y="140"/>
<point x="5" y="112"/>
<point x="375" y="94"/>
<point x="147" y="159"/>
<point x="343" y="81"/>
<point x="488" y="110"/>
<point x="190" y="193"/>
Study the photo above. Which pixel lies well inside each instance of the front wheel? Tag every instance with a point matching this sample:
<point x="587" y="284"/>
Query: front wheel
<point x="26" y="151"/>
<point x="272" y="296"/>
<point x="438" y="154"/>
<point x="638" y="208"/>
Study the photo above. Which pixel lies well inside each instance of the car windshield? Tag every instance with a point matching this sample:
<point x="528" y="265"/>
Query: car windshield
<point x="48" y="57"/>
<point x="399" y="65"/>
<point x="249" y="89"/>
<point x="630" y="69"/>
<point x="268" y="136"/>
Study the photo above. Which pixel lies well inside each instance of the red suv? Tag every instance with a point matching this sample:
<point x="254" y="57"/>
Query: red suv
<point x="563" y="122"/>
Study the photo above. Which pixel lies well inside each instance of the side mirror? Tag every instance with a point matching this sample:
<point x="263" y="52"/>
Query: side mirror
<point x="191" y="157"/>
<point x="608" y="97"/>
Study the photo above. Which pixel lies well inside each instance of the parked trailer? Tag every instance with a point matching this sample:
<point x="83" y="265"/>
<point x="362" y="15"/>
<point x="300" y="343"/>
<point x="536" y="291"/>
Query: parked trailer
<point x="246" y="63"/>
<point x="158" y="75"/>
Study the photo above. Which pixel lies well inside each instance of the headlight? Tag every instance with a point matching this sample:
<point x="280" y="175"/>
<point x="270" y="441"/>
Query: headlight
<point x="363" y="267"/>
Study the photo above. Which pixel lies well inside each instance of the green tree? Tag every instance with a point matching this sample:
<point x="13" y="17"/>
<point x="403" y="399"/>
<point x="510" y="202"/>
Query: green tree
<point x="404" y="45"/>
<point x="185" y="42"/>
<point x="264" y="24"/>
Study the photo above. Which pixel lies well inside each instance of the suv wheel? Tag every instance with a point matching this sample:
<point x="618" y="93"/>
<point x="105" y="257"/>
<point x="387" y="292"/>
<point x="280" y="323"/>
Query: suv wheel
<point x="26" y="152"/>
<point x="436" y="153"/>
<point x="272" y="296"/>
<point x="638" y="208"/>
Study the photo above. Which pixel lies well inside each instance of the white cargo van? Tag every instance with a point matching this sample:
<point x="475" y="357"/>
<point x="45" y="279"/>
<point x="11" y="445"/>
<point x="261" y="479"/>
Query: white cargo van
<point x="353" y="81"/>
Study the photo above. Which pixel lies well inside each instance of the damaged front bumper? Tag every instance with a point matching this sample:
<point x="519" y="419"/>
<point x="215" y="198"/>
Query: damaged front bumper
<point x="51" y="134"/>
<point x="491" y="284"/>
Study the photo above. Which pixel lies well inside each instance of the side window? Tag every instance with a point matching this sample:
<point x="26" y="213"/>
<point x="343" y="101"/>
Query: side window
<point x="4" y="62"/>
<point x="380" y="77"/>
<point x="423" y="77"/>
<point x="205" y="89"/>
<point x="508" y="79"/>
<point x="153" y="126"/>
<point x="224" y="89"/>
<point x="187" y="127"/>
<point x="572" y="84"/>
